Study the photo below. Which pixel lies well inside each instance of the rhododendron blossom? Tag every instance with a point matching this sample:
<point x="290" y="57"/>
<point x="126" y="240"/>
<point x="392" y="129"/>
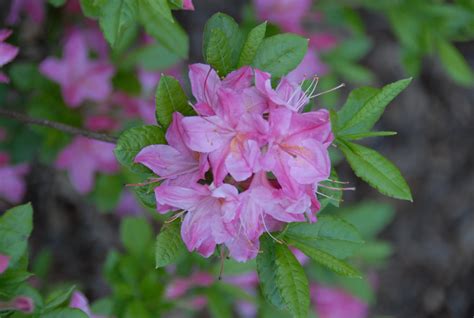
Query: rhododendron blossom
<point x="248" y="162"/>
<point x="7" y="52"/>
<point x="80" y="78"/>
<point x="83" y="158"/>
<point x="79" y="301"/>
<point x="12" y="183"/>
<point x="333" y="302"/>
<point x="35" y="9"/>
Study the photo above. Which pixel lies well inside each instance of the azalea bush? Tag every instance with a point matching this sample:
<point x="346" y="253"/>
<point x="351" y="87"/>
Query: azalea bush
<point x="223" y="173"/>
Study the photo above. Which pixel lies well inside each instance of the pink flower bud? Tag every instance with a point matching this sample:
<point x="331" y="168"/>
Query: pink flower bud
<point x="24" y="304"/>
<point x="4" y="262"/>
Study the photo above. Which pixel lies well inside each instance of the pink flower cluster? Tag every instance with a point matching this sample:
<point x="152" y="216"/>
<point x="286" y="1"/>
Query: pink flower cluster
<point x="248" y="162"/>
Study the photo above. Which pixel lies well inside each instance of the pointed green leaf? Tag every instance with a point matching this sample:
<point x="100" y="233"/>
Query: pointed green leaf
<point x="455" y="64"/>
<point x="15" y="228"/>
<point x="280" y="54"/>
<point x="169" y="34"/>
<point x="170" y="98"/>
<point x="65" y="312"/>
<point x="380" y="215"/>
<point x="376" y="170"/>
<point x="329" y="234"/>
<point x="230" y="29"/>
<point x="291" y="281"/>
<point x="219" y="52"/>
<point x="115" y="18"/>
<point x="266" y="269"/>
<point x="159" y="8"/>
<point x="58" y="298"/>
<point x="364" y="107"/>
<point x="133" y="141"/>
<point x="169" y="245"/>
<point x="334" y="264"/>
<point x="251" y="45"/>
<point x="369" y="134"/>
<point x="331" y="191"/>
<point x="92" y="8"/>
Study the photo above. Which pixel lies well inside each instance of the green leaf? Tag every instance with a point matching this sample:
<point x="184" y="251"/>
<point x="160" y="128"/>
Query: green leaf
<point x="58" y="297"/>
<point x="135" y="139"/>
<point x="379" y="214"/>
<point x="11" y="281"/>
<point x="65" y="312"/>
<point x="376" y="170"/>
<point x="251" y="45"/>
<point x="146" y="195"/>
<point x="364" y="107"/>
<point x="455" y="64"/>
<point x="169" y="245"/>
<point x="57" y="3"/>
<point x="375" y="252"/>
<point x="170" y="98"/>
<point x="369" y="134"/>
<point x="334" y="264"/>
<point x="92" y="8"/>
<point x="15" y="228"/>
<point x="115" y="18"/>
<point x="157" y="8"/>
<point x="331" y="190"/>
<point x="145" y="57"/>
<point x="279" y="54"/>
<point x="219" y="52"/>
<point x="330" y="234"/>
<point x="136" y="235"/>
<point x="291" y="281"/>
<point x="228" y="28"/>
<point x="136" y="309"/>
<point x="266" y="269"/>
<point x="217" y="306"/>
<point x="169" y="34"/>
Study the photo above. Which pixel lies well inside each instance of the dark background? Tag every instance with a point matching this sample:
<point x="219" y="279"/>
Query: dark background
<point x="432" y="271"/>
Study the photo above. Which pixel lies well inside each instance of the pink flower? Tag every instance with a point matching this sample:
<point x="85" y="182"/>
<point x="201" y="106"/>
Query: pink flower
<point x="7" y="53"/>
<point x="188" y="5"/>
<point x="83" y="158"/>
<point x="80" y="78"/>
<point x="128" y="205"/>
<point x="12" y="183"/>
<point x="23" y="304"/>
<point x="331" y="302"/>
<point x="204" y="224"/>
<point x="79" y="301"/>
<point x="4" y="262"/>
<point x="35" y="9"/>
<point x="266" y="160"/>
<point x="288" y="14"/>
<point x="180" y="286"/>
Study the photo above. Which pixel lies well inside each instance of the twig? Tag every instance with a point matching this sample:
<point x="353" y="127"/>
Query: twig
<point x="59" y="126"/>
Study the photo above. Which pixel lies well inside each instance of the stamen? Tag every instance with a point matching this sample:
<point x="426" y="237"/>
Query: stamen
<point x="329" y="90"/>
<point x="175" y="217"/>
<point x="329" y="197"/>
<point x="268" y="232"/>
<point x="334" y="188"/>
<point x="221" y="270"/>
<point x="337" y="181"/>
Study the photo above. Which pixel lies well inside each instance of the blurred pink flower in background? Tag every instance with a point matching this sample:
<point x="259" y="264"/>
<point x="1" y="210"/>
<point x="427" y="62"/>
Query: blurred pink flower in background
<point x="7" y="53"/>
<point x="128" y="205"/>
<point x="79" y="301"/>
<point x="333" y="302"/>
<point x="83" y="158"/>
<point x="23" y="304"/>
<point x="288" y="14"/>
<point x="180" y="286"/>
<point x="34" y="9"/>
<point x="4" y="262"/>
<point x="79" y="77"/>
<point x="12" y="183"/>
<point x="188" y="5"/>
